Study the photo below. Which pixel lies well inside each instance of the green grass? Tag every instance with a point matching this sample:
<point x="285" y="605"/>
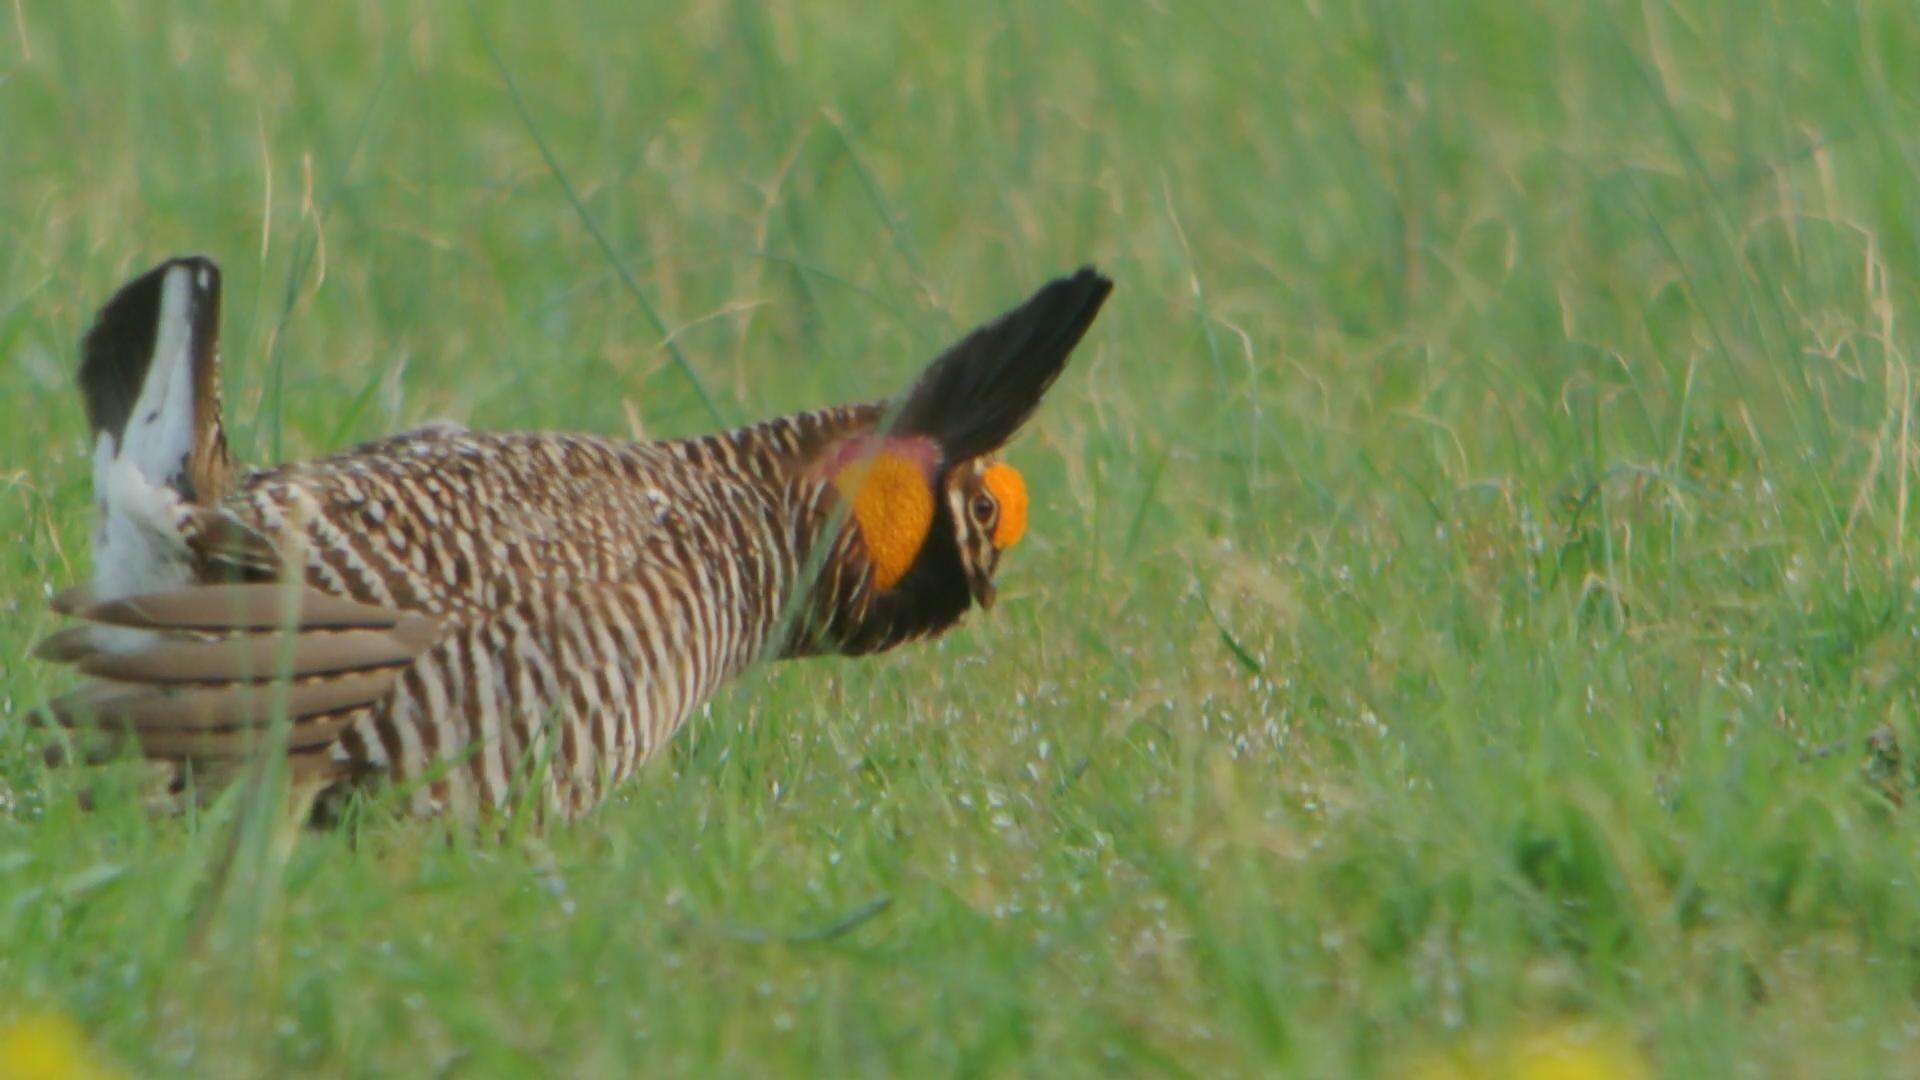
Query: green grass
<point x="1486" y="499"/>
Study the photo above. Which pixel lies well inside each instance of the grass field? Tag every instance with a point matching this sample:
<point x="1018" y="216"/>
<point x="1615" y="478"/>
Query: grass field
<point x="1471" y="554"/>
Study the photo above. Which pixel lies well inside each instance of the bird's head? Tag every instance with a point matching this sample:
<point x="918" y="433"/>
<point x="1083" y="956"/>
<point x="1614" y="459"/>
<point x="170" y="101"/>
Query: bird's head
<point x="987" y="502"/>
<point x="910" y="509"/>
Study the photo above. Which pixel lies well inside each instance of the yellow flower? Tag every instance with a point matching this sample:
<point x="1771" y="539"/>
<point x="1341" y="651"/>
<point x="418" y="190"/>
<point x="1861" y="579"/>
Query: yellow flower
<point x="1563" y="1053"/>
<point x="1572" y="1054"/>
<point x="46" y="1046"/>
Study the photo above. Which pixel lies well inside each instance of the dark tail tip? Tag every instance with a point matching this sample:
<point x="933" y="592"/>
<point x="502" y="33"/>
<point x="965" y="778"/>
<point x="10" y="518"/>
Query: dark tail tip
<point x="980" y="391"/>
<point x="117" y="352"/>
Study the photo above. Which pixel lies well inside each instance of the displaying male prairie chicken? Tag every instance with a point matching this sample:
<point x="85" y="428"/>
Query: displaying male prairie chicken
<point x="477" y="617"/>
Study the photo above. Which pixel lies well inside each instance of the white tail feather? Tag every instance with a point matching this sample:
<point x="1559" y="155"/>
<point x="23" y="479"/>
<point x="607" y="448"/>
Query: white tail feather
<point x="137" y="543"/>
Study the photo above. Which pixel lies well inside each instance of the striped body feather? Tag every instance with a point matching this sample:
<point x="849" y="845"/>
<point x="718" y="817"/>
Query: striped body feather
<point x="593" y="593"/>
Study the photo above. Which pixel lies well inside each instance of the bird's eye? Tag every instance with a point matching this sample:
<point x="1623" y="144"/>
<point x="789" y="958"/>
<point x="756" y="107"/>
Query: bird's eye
<point x="982" y="509"/>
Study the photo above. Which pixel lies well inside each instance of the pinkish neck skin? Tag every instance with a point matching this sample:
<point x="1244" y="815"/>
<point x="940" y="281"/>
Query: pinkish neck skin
<point x="915" y="448"/>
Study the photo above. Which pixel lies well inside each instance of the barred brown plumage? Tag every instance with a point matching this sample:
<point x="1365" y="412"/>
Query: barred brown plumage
<point x="468" y="614"/>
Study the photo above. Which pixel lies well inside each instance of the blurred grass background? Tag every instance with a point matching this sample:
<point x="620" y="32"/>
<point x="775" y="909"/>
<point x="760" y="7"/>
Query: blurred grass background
<point x="1470" y="553"/>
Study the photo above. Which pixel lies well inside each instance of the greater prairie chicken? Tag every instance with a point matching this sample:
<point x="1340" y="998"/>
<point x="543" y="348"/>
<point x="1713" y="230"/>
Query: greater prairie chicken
<point x="445" y="608"/>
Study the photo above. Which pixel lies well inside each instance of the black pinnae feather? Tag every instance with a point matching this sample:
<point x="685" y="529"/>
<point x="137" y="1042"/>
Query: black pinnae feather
<point x="977" y="394"/>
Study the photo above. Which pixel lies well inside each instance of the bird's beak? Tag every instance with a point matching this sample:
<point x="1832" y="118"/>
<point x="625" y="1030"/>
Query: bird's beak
<point x="983" y="592"/>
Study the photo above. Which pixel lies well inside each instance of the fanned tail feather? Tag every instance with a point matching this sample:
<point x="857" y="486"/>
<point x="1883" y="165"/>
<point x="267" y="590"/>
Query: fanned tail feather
<point x="191" y="672"/>
<point x="150" y="380"/>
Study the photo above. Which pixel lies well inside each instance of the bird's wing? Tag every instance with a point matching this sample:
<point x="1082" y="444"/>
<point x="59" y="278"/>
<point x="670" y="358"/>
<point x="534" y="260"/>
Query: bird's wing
<point x="207" y="672"/>
<point x="568" y="689"/>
